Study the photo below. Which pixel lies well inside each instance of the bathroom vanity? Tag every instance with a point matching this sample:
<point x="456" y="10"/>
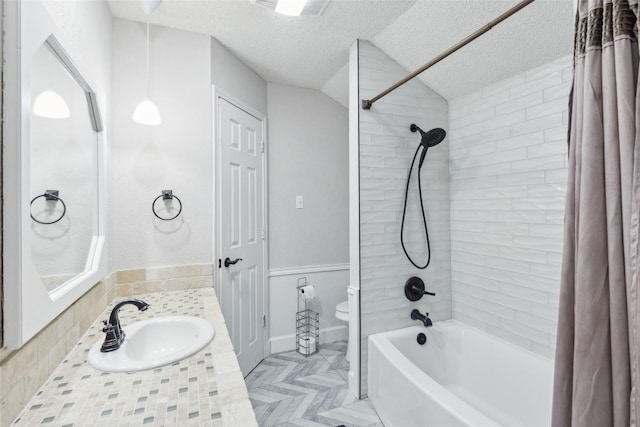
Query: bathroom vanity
<point x="205" y="389"/>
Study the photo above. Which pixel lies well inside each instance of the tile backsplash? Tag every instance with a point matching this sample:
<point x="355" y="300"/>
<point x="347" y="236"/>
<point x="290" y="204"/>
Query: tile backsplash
<point x="508" y="168"/>
<point x="171" y="278"/>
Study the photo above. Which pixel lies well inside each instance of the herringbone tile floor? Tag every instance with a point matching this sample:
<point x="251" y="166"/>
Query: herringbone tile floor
<point x="288" y="389"/>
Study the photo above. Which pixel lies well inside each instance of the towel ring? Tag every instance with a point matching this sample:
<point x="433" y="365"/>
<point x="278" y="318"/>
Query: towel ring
<point x="166" y="195"/>
<point x="48" y="195"/>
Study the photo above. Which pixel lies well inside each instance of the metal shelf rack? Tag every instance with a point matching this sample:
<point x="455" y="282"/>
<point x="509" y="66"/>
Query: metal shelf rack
<point x="307" y="324"/>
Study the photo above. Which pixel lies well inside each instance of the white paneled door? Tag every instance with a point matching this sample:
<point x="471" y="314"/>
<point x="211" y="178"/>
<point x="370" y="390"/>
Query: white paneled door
<point x="241" y="231"/>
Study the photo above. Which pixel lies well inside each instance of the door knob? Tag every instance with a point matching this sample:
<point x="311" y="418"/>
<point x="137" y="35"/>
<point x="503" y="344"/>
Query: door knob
<point x="228" y="262"/>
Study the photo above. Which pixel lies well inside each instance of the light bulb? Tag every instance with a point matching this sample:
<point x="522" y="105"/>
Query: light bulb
<point x="51" y="105"/>
<point x="147" y="113"/>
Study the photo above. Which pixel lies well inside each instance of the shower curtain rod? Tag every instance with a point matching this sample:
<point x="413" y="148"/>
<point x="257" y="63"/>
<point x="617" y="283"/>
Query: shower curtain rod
<point x="367" y="103"/>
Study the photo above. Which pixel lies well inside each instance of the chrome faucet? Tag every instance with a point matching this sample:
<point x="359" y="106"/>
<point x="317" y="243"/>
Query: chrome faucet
<point x="424" y="318"/>
<point x="115" y="334"/>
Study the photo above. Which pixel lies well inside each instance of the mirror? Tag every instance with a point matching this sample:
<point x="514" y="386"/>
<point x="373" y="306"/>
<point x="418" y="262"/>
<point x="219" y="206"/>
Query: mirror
<point x="63" y="147"/>
<point x="54" y="208"/>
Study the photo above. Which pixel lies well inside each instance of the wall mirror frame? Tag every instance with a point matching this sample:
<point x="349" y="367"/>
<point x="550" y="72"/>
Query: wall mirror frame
<point x="28" y="305"/>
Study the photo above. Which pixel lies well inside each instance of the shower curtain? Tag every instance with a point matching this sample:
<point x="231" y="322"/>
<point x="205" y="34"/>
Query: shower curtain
<point x="596" y="370"/>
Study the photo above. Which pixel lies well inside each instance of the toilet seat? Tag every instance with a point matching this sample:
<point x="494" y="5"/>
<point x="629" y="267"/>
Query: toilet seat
<point x="342" y="311"/>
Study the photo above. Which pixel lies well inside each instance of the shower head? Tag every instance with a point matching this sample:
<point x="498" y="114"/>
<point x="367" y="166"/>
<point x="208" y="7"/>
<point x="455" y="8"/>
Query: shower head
<point x="430" y="138"/>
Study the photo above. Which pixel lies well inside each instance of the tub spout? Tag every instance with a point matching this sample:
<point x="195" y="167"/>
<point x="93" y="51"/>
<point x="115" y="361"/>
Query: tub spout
<point x="115" y="334"/>
<point x="424" y="318"/>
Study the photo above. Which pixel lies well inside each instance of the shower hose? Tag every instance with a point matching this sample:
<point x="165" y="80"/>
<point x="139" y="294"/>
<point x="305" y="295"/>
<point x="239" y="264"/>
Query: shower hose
<point x="424" y="217"/>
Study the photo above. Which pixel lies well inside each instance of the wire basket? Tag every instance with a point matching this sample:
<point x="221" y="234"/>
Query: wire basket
<point x="307" y="332"/>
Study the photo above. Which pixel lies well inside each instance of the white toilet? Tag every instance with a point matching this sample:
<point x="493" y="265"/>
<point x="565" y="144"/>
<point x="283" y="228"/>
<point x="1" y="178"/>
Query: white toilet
<point x="342" y="313"/>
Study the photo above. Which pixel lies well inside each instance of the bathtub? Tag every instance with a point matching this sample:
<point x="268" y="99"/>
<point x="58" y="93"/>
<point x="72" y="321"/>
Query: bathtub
<point x="460" y="377"/>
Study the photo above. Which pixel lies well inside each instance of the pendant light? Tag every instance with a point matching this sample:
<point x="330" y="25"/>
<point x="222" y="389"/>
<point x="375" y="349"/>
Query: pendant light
<point x="146" y="112"/>
<point x="49" y="103"/>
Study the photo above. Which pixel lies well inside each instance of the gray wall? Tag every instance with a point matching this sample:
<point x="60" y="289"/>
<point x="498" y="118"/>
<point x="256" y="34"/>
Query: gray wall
<point x="177" y="155"/>
<point x="307" y="151"/>
<point x="308" y="156"/>
<point x="235" y="78"/>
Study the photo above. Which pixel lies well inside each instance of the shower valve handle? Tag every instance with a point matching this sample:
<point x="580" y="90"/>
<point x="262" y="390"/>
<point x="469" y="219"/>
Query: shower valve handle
<point x="414" y="289"/>
<point x="228" y="262"/>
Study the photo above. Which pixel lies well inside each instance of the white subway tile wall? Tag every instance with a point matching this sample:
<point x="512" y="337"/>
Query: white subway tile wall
<point x="508" y="167"/>
<point x="386" y="150"/>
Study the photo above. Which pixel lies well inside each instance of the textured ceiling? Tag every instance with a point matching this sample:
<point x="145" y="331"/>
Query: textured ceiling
<point x="304" y="51"/>
<point x="539" y="33"/>
<point x="310" y="51"/>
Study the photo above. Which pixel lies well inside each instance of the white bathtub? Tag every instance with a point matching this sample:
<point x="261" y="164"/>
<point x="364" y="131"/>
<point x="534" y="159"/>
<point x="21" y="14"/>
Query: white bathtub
<point x="460" y="377"/>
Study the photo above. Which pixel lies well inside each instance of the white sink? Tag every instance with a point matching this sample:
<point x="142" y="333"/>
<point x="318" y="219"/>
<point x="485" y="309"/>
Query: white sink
<point x="154" y="342"/>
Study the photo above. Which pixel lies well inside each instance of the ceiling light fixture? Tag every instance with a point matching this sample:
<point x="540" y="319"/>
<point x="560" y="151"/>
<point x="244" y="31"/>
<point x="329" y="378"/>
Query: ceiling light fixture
<point x="290" y="7"/>
<point x="147" y="112"/>
<point x="294" y="7"/>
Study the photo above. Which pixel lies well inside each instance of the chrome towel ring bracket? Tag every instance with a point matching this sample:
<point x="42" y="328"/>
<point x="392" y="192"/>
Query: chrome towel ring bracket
<point x="166" y="195"/>
<point x="49" y="195"/>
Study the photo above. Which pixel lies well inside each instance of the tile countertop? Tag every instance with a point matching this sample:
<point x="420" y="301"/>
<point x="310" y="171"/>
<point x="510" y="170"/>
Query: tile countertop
<point x="206" y="389"/>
